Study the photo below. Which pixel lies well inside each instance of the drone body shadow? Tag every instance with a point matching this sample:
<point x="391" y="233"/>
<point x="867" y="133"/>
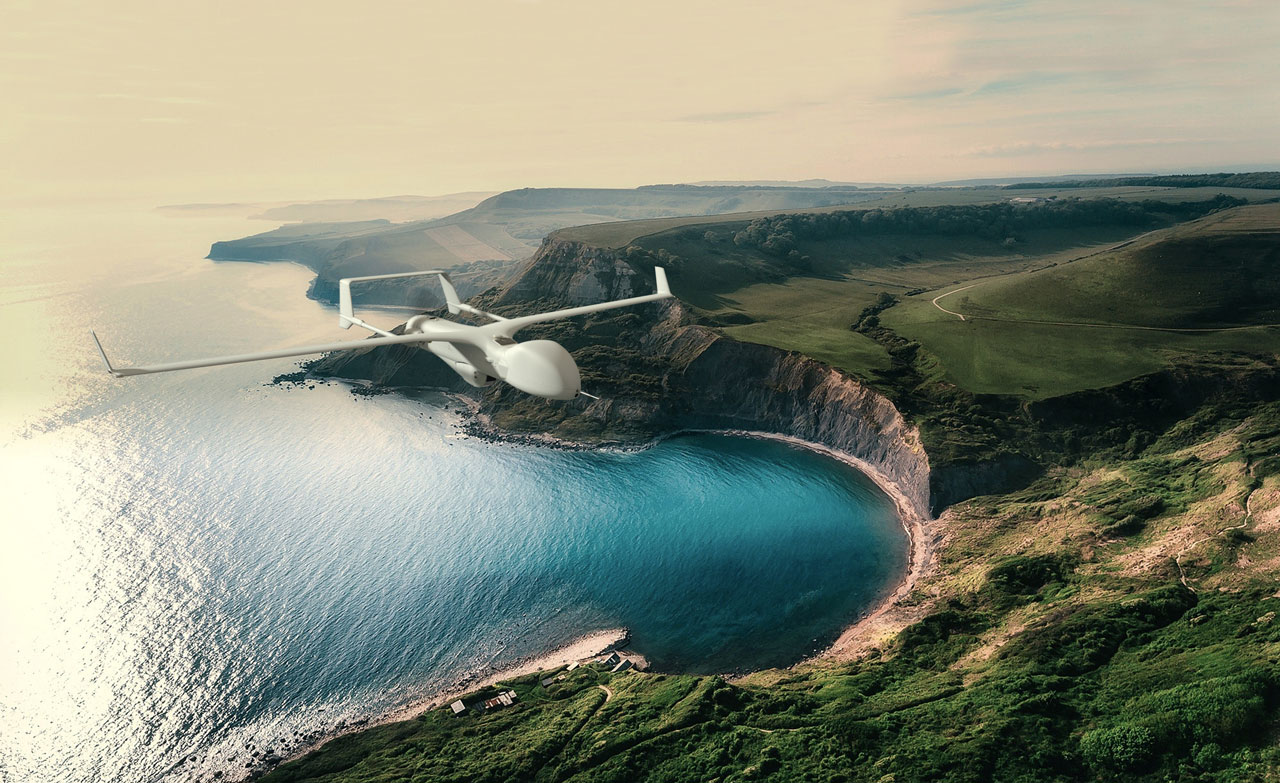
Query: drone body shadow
<point x="481" y="355"/>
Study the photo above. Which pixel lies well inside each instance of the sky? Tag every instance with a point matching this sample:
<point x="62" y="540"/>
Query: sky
<point x="249" y="101"/>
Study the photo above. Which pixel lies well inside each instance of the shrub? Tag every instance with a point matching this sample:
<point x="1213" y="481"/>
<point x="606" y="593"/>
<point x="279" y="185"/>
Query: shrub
<point x="1123" y="747"/>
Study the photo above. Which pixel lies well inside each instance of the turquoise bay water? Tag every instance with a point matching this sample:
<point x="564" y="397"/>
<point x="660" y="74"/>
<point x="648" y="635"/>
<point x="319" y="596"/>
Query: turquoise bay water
<point x="195" y="562"/>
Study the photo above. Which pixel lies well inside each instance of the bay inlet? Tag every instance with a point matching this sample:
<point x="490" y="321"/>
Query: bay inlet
<point x="200" y="567"/>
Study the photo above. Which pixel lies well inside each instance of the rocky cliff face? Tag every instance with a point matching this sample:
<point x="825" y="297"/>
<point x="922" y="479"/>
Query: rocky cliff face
<point x="732" y="385"/>
<point x="658" y="372"/>
<point x="704" y="380"/>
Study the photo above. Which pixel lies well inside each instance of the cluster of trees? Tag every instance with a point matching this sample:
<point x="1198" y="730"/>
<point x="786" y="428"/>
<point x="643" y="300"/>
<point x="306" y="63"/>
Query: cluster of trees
<point x="780" y="235"/>
<point x="1255" y="179"/>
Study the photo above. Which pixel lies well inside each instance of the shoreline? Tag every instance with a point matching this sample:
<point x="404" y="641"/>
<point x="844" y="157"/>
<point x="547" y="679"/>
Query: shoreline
<point x="877" y="623"/>
<point x="588" y="645"/>
<point x="882" y="619"/>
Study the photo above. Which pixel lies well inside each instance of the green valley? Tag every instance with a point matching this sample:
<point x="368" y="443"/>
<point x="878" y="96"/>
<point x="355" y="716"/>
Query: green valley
<point x="1099" y="599"/>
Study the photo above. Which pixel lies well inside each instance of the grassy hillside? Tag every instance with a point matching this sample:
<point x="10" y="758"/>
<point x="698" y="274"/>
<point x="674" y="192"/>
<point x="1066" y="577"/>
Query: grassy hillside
<point x="1112" y="616"/>
<point x="811" y="297"/>
<point x="501" y="230"/>
<point x="1063" y="328"/>
<point x="1059" y="643"/>
<point x="620" y="234"/>
<point x="1256" y="179"/>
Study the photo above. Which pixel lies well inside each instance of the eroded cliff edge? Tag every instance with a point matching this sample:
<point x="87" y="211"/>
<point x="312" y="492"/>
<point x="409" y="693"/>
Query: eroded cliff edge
<point x="659" y="372"/>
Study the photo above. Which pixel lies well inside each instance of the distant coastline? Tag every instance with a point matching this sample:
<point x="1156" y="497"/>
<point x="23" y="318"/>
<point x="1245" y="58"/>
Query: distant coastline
<point x="586" y="646"/>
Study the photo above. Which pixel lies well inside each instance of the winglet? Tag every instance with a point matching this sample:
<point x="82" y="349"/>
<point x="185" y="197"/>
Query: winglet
<point x="344" y="303"/>
<point x="660" y="277"/>
<point x="450" y="294"/>
<point x="346" y="315"/>
<point x="103" y="354"/>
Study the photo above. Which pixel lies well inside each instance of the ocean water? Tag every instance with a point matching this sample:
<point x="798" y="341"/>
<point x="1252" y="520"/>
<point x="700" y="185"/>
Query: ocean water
<point x="194" y="562"/>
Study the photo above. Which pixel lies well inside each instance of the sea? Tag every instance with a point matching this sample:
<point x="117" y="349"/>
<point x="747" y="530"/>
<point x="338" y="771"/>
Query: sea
<point x="200" y="565"/>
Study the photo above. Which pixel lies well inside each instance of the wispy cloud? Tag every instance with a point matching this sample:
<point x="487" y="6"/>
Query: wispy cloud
<point x="725" y="116"/>
<point x="1022" y="82"/>
<point x="1015" y="149"/>
<point x="928" y="95"/>
<point x="173" y="100"/>
<point x="982" y="8"/>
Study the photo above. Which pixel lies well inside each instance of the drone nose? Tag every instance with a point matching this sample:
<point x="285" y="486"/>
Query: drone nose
<point x="543" y="368"/>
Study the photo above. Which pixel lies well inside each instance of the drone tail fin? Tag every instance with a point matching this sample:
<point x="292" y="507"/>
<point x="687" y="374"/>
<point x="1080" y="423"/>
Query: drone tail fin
<point x="345" y="312"/>
<point x="660" y="281"/>
<point x="103" y="353"/>
<point x="662" y="291"/>
<point x="450" y="294"/>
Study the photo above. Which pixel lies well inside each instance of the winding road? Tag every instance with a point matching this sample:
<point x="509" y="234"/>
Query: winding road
<point x="1085" y="324"/>
<point x="949" y="293"/>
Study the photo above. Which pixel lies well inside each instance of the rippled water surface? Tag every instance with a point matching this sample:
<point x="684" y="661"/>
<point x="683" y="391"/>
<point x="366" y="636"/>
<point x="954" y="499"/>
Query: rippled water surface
<point x="197" y="561"/>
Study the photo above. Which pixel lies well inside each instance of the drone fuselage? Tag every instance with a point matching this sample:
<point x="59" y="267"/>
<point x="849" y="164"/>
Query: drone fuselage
<point x="483" y="355"/>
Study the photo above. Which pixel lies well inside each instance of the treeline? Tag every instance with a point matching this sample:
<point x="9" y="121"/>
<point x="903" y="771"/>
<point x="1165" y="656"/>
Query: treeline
<point x="780" y="234"/>
<point x="1265" y="180"/>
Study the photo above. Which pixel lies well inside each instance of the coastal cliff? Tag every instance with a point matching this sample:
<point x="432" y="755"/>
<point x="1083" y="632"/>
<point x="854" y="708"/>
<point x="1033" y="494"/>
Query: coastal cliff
<point x="660" y="373"/>
<point x="1072" y="619"/>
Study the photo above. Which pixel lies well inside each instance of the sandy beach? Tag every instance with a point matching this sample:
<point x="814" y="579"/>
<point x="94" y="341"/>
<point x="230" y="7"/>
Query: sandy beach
<point x="588" y="646"/>
<point x="876" y="626"/>
<point x="881" y="622"/>
<point x="584" y="647"/>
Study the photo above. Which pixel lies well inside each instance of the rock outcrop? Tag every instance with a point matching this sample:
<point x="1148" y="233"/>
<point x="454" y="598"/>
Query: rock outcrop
<point x="659" y="372"/>
<point x="705" y="380"/>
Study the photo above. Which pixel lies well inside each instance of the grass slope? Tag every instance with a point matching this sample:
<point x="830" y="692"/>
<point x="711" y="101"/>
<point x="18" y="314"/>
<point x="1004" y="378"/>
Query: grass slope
<point x="1059" y="645"/>
<point x="1115" y="618"/>
<point x="1061" y="328"/>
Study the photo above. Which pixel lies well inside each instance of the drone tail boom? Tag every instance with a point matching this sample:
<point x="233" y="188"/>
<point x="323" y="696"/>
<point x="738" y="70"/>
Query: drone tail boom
<point x="346" y="314"/>
<point x="661" y="291"/>
<point x="103" y="353"/>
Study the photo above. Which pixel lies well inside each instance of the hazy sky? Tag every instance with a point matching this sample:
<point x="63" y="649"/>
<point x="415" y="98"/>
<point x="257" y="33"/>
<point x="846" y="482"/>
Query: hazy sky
<point x="236" y="100"/>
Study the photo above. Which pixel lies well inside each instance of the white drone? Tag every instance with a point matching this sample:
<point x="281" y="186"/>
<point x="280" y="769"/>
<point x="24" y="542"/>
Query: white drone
<point x="480" y="354"/>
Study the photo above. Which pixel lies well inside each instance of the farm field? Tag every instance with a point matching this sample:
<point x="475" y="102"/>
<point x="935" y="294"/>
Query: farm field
<point x="1052" y="310"/>
<point x="621" y="233"/>
<point x="1195" y="292"/>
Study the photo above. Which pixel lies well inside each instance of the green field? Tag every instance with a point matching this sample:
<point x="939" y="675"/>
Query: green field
<point x="621" y="233"/>
<point x="1060" y="645"/>
<point x="1109" y="614"/>
<point x="1111" y="316"/>
<point x="1217" y="271"/>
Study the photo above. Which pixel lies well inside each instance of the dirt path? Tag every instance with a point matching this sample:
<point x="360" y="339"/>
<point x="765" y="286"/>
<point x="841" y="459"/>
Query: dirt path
<point x="949" y="293"/>
<point x="1090" y="254"/>
<point x="608" y="694"/>
<point x="1084" y="324"/>
<point x="1248" y="517"/>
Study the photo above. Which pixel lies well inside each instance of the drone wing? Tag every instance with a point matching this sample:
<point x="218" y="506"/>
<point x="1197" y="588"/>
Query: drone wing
<point x="302" y="350"/>
<point x="511" y="326"/>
